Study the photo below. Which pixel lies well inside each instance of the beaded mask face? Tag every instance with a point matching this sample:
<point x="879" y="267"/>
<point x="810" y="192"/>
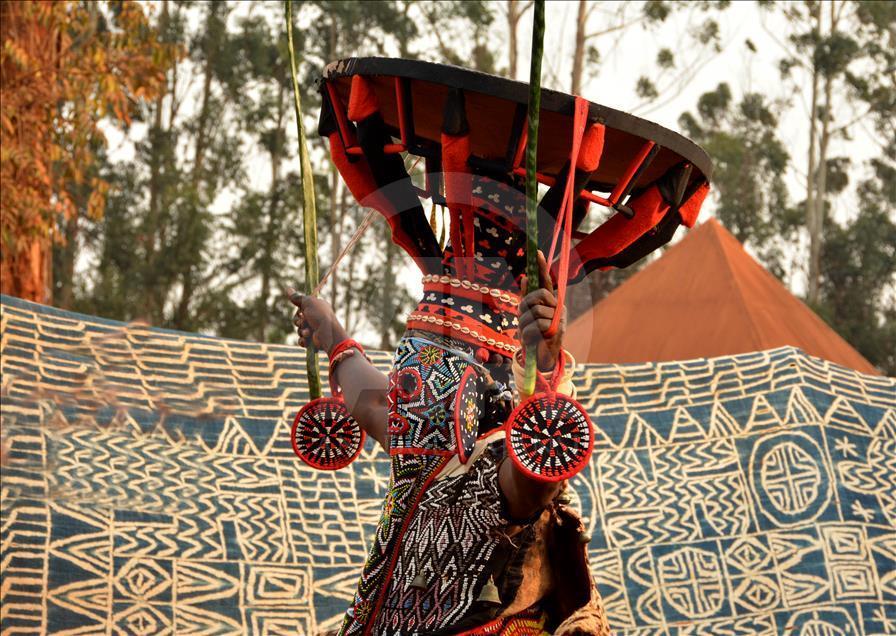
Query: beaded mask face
<point x="431" y="390"/>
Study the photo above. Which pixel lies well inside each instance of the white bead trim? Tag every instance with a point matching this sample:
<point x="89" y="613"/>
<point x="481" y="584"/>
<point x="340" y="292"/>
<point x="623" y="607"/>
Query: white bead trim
<point x="464" y="330"/>
<point x="503" y="296"/>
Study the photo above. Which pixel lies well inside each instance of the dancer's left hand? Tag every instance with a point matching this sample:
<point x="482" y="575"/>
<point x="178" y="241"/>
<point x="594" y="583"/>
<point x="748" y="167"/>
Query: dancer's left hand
<point x="537" y="311"/>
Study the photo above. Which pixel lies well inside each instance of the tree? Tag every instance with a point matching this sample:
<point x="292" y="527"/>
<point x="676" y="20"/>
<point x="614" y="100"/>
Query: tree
<point x="264" y="226"/>
<point x="623" y="16"/>
<point x="700" y="41"/>
<point x="750" y="162"/>
<point x="515" y="11"/>
<point x="852" y="263"/>
<point x="844" y="51"/>
<point x="858" y="271"/>
<point x="154" y="245"/>
<point x="66" y="67"/>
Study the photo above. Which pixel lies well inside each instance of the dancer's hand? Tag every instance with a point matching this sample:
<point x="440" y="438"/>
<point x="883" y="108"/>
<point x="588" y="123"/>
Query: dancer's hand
<point x="537" y="311"/>
<point x="315" y="322"/>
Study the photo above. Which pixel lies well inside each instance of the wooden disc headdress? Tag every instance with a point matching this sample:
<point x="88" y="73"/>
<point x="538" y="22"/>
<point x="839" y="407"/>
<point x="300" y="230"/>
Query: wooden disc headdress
<point x="648" y="180"/>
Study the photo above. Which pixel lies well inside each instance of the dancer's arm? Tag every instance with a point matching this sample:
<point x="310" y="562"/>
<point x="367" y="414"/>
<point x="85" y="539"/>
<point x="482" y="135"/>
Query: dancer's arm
<point x="525" y="496"/>
<point x="364" y="389"/>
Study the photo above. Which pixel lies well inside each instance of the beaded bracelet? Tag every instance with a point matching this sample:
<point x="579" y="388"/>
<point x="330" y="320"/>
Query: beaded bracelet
<point x="343" y="350"/>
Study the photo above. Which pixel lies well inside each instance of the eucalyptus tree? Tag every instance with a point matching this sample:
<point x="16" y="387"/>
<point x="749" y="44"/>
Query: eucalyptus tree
<point x="750" y="162"/>
<point x="838" y="56"/>
<point x="153" y="243"/>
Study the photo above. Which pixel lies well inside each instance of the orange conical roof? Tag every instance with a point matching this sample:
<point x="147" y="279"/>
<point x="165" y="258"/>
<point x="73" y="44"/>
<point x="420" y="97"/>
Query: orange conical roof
<point x="704" y="297"/>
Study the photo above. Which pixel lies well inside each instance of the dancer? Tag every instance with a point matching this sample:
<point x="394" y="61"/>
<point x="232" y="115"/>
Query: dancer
<point x="462" y="547"/>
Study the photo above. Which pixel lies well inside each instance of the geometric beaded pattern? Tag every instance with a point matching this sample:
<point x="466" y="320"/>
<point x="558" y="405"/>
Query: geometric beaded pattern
<point x="424" y="381"/>
<point x="448" y="545"/>
<point x="325" y="435"/>
<point x="550" y="437"/>
<point x="149" y="485"/>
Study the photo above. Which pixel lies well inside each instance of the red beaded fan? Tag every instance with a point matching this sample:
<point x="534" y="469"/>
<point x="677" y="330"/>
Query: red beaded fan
<point x="324" y="433"/>
<point x="549" y="435"/>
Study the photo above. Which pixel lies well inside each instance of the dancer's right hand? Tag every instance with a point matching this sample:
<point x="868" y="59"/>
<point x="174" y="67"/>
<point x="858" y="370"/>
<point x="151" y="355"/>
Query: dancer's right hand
<point x="315" y="322"/>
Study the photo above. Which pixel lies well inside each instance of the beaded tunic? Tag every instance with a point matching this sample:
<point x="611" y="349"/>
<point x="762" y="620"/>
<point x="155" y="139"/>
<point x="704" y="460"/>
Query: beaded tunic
<point x="441" y="552"/>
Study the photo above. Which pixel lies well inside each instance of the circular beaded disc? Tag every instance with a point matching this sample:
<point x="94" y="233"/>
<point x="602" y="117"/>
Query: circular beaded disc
<point x="550" y="437"/>
<point x="467" y="413"/>
<point x="325" y="435"/>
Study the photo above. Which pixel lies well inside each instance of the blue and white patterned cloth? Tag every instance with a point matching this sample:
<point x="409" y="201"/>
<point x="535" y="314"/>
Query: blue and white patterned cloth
<point x="150" y="487"/>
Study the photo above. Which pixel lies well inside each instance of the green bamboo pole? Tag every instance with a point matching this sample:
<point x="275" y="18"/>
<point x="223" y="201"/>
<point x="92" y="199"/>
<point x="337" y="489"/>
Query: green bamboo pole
<point x="532" y="272"/>
<point x="309" y="212"/>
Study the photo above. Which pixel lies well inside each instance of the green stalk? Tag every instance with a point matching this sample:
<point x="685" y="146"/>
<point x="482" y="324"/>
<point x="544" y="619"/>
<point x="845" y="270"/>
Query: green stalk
<point x="309" y="212"/>
<point x="532" y="272"/>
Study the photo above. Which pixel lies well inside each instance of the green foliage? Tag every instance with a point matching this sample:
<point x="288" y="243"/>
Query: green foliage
<point x="153" y="247"/>
<point x="699" y="40"/>
<point x="859" y="271"/>
<point x="750" y="163"/>
<point x="665" y="58"/>
<point x="708" y="33"/>
<point x="657" y="10"/>
<point x="645" y="88"/>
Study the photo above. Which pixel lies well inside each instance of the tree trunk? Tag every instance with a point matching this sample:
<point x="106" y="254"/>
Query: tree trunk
<point x="181" y="314"/>
<point x="24" y="271"/>
<point x="66" y="272"/>
<point x="821" y="186"/>
<point x="153" y="300"/>
<point x="512" y="22"/>
<point x="150" y="290"/>
<point x="812" y="288"/>
<point x="267" y="259"/>
<point x="578" y="58"/>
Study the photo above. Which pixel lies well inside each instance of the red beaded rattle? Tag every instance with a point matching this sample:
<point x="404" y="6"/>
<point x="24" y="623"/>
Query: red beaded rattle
<point x="550" y="435"/>
<point x="324" y="433"/>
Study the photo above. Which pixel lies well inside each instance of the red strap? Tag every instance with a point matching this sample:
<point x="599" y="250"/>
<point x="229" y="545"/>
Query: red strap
<point x="564" y="219"/>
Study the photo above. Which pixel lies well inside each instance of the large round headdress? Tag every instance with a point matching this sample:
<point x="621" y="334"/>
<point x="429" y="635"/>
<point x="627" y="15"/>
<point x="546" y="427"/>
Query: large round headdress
<point x="650" y="179"/>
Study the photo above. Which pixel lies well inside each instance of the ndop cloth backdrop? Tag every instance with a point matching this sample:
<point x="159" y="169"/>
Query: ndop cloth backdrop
<point x="149" y="486"/>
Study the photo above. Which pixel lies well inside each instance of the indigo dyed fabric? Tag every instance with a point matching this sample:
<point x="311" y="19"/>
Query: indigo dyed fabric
<point x="149" y="487"/>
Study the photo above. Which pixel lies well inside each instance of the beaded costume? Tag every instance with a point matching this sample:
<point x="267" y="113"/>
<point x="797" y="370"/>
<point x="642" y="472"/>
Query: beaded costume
<point x="443" y="538"/>
<point x="446" y="557"/>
